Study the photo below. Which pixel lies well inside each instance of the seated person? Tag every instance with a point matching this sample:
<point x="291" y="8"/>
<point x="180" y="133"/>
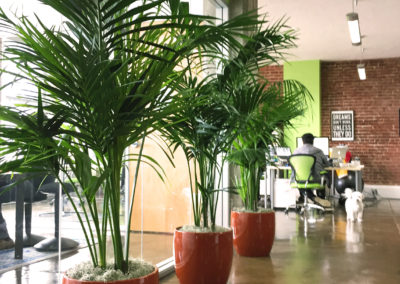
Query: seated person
<point x="320" y="163"/>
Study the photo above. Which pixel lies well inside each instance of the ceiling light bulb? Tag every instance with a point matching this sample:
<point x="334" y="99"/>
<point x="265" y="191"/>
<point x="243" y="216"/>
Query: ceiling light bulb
<point x="361" y="71"/>
<point x="354" y="28"/>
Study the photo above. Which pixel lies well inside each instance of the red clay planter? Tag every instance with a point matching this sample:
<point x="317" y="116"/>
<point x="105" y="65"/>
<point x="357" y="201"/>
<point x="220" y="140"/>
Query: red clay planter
<point x="203" y="258"/>
<point x="151" y="278"/>
<point x="253" y="233"/>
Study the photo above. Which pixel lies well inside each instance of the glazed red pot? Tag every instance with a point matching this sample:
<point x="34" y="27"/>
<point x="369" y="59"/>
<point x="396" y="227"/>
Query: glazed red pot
<point x="151" y="278"/>
<point x="253" y="232"/>
<point x="203" y="258"/>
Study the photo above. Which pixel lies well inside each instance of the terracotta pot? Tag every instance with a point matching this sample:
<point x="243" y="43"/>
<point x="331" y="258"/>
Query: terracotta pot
<point x="203" y="258"/>
<point x="253" y="233"/>
<point x="151" y="278"/>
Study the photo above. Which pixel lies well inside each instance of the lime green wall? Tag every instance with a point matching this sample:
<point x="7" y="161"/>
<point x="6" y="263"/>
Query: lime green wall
<point x="308" y="73"/>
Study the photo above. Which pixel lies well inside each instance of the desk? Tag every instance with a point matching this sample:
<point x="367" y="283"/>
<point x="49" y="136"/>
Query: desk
<point x="270" y="174"/>
<point x="350" y="167"/>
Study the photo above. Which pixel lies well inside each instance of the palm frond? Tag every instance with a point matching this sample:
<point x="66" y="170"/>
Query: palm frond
<point x="109" y="75"/>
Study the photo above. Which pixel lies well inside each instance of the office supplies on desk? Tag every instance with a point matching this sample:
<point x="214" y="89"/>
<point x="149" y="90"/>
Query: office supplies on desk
<point x="283" y="153"/>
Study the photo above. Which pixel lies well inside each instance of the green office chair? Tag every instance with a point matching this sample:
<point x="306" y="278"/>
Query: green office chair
<point x="302" y="166"/>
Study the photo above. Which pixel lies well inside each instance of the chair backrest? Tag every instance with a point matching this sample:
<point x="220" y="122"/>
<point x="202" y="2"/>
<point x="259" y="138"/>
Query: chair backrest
<point x="302" y="166"/>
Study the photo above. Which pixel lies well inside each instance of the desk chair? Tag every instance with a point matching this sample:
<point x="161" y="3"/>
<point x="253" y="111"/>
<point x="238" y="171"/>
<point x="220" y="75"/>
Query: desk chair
<point x="302" y="166"/>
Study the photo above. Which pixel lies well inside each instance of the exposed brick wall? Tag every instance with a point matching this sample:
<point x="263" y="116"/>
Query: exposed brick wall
<point x="376" y="106"/>
<point x="272" y="73"/>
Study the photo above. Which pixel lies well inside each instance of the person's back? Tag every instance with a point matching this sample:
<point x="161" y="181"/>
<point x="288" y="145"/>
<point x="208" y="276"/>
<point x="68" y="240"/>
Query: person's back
<point x="320" y="160"/>
<point x="320" y="163"/>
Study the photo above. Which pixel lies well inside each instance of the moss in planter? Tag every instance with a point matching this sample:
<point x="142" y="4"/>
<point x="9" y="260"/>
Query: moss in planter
<point x="259" y="210"/>
<point x="86" y="271"/>
<point x="195" y="229"/>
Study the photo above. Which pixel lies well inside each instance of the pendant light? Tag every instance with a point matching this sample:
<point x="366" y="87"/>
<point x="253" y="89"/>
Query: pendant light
<point x="354" y="26"/>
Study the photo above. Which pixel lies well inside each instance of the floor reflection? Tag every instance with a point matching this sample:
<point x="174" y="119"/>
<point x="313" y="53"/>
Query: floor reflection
<point x="319" y="249"/>
<point x="326" y="249"/>
<point x="354" y="237"/>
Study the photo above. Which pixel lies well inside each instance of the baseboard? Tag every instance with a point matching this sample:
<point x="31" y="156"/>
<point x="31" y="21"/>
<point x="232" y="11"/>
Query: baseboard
<point x="385" y="191"/>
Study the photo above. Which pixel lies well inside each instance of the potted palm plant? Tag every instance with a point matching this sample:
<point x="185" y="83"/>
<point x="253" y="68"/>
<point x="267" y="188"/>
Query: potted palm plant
<point x="103" y="81"/>
<point x="202" y="128"/>
<point x="263" y="109"/>
<point x="213" y="112"/>
<point x="254" y="229"/>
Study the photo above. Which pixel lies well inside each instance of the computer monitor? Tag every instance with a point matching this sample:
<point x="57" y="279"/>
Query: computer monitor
<point x="283" y="152"/>
<point x="319" y="142"/>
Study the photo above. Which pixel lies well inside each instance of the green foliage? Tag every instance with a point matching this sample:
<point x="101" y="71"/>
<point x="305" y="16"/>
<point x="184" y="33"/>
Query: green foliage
<point x="235" y="104"/>
<point x="262" y="109"/>
<point x="203" y="129"/>
<point x="261" y="127"/>
<point x="105" y="79"/>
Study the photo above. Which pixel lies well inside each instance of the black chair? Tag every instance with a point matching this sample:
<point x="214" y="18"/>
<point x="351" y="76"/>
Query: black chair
<point x="46" y="184"/>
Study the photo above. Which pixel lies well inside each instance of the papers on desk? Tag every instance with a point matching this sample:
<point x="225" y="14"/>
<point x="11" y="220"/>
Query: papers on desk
<point x="350" y="165"/>
<point x="342" y="169"/>
<point x="344" y="165"/>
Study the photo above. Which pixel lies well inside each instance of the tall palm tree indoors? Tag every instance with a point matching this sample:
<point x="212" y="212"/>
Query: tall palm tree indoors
<point x="104" y="80"/>
<point x="236" y="105"/>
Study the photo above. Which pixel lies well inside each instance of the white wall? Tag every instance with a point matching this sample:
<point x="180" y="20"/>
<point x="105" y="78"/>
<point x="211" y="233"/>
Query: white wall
<point x="28" y="8"/>
<point x="384" y="191"/>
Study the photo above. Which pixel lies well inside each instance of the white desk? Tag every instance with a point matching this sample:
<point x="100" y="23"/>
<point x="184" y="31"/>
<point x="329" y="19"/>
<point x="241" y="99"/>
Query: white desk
<point x="270" y="174"/>
<point x="350" y="167"/>
<point x="272" y="171"/>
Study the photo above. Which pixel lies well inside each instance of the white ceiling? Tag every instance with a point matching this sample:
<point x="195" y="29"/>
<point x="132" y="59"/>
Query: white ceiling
<point x="321" y="24"/>
<point x="323" y="32"/>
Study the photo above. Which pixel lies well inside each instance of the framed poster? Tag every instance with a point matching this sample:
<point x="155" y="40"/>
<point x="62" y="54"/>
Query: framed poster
<point x="342" y="125"/>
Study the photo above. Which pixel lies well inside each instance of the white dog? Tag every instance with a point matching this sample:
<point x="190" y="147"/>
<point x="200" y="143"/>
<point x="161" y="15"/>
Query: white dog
<point x="354" y="205"/>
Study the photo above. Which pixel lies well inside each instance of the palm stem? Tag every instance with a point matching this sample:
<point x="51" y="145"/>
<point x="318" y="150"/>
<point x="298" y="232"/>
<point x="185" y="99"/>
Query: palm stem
<point x="133" y="191"/>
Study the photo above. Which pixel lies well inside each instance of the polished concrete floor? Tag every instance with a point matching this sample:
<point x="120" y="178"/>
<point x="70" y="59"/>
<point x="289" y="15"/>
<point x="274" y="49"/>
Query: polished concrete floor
<point x="321" y="249"/>
<point x="327" y="249"/>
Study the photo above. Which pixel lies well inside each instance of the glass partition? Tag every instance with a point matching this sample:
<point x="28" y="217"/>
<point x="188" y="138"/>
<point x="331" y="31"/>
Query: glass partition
<point x="159" y="206"/>
<point x="162" y="206"/>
